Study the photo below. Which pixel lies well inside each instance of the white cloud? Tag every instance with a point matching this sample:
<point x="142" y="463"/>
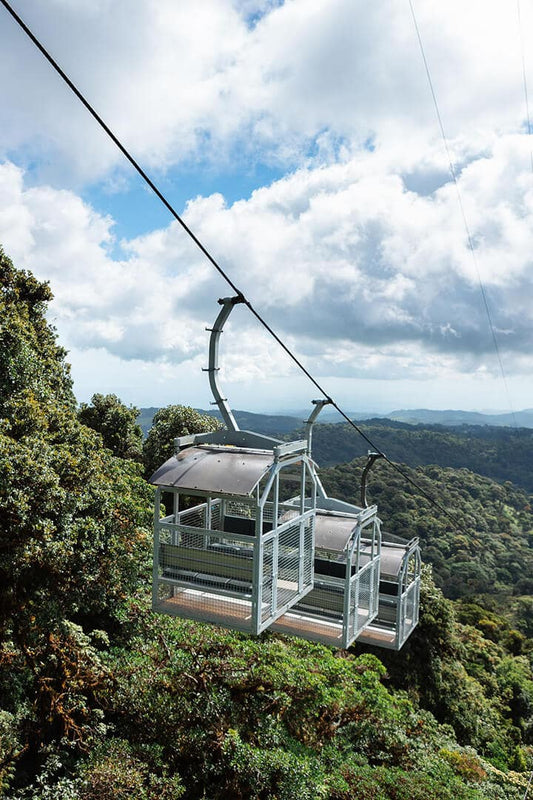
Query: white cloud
<point x="196" y="81"/>
<point x="358" y="256"/>
<point x="357" y="273"/>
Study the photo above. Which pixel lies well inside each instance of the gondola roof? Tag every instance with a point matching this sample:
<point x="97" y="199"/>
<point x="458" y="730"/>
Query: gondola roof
<point x="219" y="470"/>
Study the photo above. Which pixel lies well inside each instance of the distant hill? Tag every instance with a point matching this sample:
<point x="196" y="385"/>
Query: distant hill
<point x="426" y="416"/>
<point x="504" y="454"/>
<point x="496" y="451"/>
<point x="272" y="424"/>
<point x="145" y="418"/>
<point x="522" y="419"/>
<point x="268" y="424"/>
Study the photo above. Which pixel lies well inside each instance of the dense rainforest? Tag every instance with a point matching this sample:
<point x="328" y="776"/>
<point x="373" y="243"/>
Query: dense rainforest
<point x="502" y="453"/>
<point x="505" y="454"/>
<point x="100" y="699"/>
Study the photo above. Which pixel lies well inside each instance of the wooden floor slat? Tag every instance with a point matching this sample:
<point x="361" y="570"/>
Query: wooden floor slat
<point x="309" y="627"/>
<point x="209" y="608"/>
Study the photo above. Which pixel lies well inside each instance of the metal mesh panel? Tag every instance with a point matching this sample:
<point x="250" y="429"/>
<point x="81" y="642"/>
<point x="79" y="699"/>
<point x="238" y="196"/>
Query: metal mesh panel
<point x="268" y="583"/>
<point x="288" y="564"/>
<point x="215" y="516"/>
<point x="308" y="551"/>
<point x="375" y="590"/>
<point x="205" y="576"/>
<point x="409" y="611"/>
<point x="237" y="508"/>
<point x="285" y="512"/>
<point x="268" y="512"/>
<point x="365" y="599"/>
<point x="320" y="615"/>
<point x="204" y="564"/>
<point x="326" y="599"/>
<point x="397" y="618"/>
<point x="193" y="518"/>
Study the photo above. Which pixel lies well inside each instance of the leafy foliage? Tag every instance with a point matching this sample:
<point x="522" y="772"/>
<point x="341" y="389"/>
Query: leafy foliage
<point x="468" y="681"/>
<point x="169" y="423"/>
<point x="504" y="454"/>
<point x="277" y="717"/>
<point x="73" y="532"/>
<point x="116" y="423"/>
<point x="24" y="333"/>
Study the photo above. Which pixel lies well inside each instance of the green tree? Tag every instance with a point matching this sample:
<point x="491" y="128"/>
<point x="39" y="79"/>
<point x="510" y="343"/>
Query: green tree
<point x="169" y="423"/>
<point x="74" y="532"/>
<point x="31" y="362"/>
<point x="116" y="423"/>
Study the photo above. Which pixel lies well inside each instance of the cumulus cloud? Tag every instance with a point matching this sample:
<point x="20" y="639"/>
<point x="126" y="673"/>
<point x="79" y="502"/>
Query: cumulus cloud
<point x="358" y="255"/>
<point x="274" y="82"/>
<point x="358" y="273"/>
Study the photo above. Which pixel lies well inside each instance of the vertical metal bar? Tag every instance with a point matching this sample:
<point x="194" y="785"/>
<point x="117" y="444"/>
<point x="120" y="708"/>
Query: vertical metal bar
<point x="176" y="510"/>
<point x="400" y="608"/>
<point x="314" y="488"/>
<point x="376" y="561"/>
<point x="347" y="595"/>
<point x="356" y="581"/>
<point x="222" y="513"/>
<point x="301" y="540"/>
<point x="155" y="568"/>
<point x="275" y="548"/>
<point x="302" y="487"/>
<point x="207" y="540"/>
<point x="257" y="574"/>
<point x="417" y="590"/>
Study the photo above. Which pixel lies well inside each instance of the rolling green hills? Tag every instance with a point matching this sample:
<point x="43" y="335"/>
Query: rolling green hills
<point x="504" y="454"/>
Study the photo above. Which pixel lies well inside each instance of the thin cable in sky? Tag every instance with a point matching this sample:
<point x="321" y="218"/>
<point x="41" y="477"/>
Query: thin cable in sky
<point x="524" y="77"/>
<point x="463" y="213"/>
<point x="215" y="264"/>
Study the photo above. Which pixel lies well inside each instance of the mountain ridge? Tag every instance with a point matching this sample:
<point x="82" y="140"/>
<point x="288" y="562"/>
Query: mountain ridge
<point x="281" y="423"/>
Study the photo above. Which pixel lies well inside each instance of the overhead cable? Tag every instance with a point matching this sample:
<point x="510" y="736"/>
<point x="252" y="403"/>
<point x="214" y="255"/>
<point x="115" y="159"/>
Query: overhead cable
<point x="213" y="261"/>
<point x="453" y="174"/>
<point x="524" y="77"/>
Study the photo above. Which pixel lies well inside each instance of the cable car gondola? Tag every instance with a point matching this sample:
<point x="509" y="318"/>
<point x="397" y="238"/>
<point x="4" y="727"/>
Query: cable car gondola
<point x="251" y="540"/>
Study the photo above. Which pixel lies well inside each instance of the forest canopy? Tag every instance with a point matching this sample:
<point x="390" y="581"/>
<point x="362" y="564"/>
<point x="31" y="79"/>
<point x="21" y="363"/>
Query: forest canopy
<point x="101" y="699"/>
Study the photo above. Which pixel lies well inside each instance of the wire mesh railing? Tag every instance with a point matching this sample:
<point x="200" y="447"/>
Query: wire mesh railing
<point x="231" y="577"/>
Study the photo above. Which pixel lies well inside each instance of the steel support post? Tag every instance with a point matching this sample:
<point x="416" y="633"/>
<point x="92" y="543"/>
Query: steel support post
<point x="155" y="573"/>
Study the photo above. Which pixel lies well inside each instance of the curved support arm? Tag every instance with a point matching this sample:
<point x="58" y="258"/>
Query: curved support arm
<point x="371" y="458"/>
<point x="318" y="406"/>
<point x="227" y="304"/>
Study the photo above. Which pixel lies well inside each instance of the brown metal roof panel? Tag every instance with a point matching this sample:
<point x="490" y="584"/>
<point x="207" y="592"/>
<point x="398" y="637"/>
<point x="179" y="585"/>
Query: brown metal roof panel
<point x="217" y="470"/>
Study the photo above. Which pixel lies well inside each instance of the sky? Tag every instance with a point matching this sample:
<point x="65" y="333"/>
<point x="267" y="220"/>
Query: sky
<point x="300" y="142"/>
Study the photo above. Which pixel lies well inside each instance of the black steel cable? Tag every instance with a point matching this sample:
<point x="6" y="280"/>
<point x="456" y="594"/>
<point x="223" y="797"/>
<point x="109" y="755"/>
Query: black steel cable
<point x="212" y="260"/>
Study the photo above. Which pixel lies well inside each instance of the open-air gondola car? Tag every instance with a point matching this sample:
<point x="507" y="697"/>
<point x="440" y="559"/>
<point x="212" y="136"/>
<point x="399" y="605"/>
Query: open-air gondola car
<point x="249" y="539"/>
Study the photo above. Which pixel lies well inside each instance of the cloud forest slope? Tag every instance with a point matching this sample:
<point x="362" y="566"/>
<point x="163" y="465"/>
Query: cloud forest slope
<point x="504" y="454"/>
